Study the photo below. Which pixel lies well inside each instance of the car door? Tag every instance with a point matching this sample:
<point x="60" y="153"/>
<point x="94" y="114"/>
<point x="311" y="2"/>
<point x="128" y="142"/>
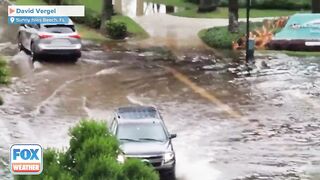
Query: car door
<point x="22" y="35"/>
<point x="29" y="32"/>
<point x="113" y="126"/>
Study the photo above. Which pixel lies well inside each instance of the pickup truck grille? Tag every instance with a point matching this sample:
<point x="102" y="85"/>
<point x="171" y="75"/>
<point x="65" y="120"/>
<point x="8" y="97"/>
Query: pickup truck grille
<point x="155" y="161"/>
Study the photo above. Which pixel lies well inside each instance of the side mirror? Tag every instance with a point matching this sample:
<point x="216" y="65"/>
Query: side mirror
<point x="173" y="136"/>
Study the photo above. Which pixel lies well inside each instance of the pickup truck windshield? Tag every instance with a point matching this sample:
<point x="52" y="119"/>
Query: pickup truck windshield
<point x="141" y="132"/>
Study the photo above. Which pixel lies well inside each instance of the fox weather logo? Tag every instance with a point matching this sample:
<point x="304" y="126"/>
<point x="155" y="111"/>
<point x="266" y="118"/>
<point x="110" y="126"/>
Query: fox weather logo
<point x="26" y="159"/>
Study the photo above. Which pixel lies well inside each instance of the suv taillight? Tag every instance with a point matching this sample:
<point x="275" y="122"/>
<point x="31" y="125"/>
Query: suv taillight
<point x="43" y="36"/>
<point x="77" y="36"/>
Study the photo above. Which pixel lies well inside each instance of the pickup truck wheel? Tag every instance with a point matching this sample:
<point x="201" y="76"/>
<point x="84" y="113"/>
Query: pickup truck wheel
<point x="171" y="175"/>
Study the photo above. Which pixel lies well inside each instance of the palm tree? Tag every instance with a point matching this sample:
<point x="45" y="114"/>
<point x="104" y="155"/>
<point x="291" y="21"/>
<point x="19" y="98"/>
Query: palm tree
<point x="315" y="6"/>
<point x="107" y="10"/>
<point x="233" y="16"/>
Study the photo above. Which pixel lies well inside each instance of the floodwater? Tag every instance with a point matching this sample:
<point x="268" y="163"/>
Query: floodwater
<point x="275" y="137"/>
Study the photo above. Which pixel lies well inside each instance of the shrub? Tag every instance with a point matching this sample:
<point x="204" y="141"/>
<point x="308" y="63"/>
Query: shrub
<point x="116" y="30"/>
<point x="91" y="155"/>
<point x="95" y="148"/>
<point x="4" y="72"/>
<point x="220" y="37"/>
<point x="1" y="101"/>
<point x="102" y="168"/>
<point x="84" y="131"/>
<point x="54" y="2"/>
<point x="274" y="4"/>
<point x="52" y="168"/>
<point x="134" y="170"/>
<point x="93" y="20"/>
<point x="193" y="1"/>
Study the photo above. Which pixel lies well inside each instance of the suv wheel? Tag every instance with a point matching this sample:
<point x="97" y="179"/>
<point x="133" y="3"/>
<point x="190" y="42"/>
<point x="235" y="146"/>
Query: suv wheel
<point x="33" y="54"/>
<point x="20" y="46"/>
<point x="73" y="59"/>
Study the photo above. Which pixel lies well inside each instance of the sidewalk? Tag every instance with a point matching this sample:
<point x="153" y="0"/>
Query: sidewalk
<point x="175" y="31"/>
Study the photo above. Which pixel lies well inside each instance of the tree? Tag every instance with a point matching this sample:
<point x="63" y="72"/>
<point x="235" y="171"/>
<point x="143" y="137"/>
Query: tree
<point x="107" y="11"/>
<point x="233" y="16"/>
<point x="315" y="6"/>
<point x="208" y="5"/>
<point x="92" y="154"/>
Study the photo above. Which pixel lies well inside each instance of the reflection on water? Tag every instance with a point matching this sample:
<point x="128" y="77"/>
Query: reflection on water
<point x="134" y="8"/>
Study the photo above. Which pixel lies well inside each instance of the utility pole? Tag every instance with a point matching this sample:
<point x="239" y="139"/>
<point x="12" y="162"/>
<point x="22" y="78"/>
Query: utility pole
<point x="315" y="6"/>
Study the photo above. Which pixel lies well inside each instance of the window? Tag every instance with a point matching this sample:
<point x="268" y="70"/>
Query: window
<point x="141" y="131"/>
<point x="59" y="28"/>
<point x="113" y="126"/>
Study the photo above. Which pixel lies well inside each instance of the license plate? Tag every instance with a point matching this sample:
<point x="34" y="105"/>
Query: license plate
<point x="60" y="42"/>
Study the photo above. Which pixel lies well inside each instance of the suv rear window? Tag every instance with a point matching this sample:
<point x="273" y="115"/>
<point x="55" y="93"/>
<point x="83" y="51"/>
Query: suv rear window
<point x="59" y="28"/>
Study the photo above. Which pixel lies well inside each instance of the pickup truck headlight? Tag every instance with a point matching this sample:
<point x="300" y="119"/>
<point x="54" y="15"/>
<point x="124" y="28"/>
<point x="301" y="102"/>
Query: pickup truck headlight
<point x="121" y="158"/>
<point x="169" y="156"/>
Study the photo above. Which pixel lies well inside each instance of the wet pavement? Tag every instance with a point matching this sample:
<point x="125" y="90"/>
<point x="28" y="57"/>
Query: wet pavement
<point x="276" y="137"/>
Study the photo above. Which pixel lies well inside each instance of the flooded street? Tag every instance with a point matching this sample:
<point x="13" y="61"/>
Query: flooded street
<point x="230" y="126"/>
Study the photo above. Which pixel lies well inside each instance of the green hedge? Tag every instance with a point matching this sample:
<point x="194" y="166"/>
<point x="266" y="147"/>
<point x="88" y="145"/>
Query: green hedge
<point x="220" y="37"/>
<point x="116" y="30"/>
<point x="4" y="72"/>
<point x="274" y="4"/>
<point x="92" y="155"/>
<point x="4" y="75"/>
<point x="268" y="4"/>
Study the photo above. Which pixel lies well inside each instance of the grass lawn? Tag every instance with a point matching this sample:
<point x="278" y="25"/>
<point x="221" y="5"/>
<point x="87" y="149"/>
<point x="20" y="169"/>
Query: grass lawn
<point x="90" y="34"/>
<point x="29" y="2"/>
<point x="4" y="72"/>
<point x="302" y="53"/>
<point x="95" y="5"/>
<point x="133" y="27"/>
<point x="293" y="53"/>
<point x="191" y="10"/>
<point x="222" y="12"/>
<point x="221" y="38"/>
<point x="177" y="3"/>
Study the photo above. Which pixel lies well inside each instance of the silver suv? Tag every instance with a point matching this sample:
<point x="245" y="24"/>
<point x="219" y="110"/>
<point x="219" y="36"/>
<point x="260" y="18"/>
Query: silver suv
<point x="50" y="39"/>
<point x="142" y="134"/>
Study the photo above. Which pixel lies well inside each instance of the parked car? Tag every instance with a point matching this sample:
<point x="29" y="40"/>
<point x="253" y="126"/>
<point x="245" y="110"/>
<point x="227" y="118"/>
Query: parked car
<point x="142" y="134"/>
<point x="50" y="39"/>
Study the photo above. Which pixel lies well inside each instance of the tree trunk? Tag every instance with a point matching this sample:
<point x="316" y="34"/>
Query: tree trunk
<point x="315" y="6"/>
<point x="233" y="16"/>
<point x="117" y="7"/>
<point x="208" y="5"/>
<point x="140" y="7"/>
<point x="107" y="11"/>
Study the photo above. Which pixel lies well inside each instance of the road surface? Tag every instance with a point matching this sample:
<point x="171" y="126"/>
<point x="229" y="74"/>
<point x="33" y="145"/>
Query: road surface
<point x="229" y="125"/>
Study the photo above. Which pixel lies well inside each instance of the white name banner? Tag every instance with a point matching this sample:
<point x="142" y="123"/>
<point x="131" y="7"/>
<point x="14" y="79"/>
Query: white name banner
<point x="70" y="11"/>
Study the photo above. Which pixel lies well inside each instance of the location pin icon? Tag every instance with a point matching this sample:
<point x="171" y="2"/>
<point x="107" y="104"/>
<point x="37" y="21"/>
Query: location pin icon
<point x="12" y="19"/>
